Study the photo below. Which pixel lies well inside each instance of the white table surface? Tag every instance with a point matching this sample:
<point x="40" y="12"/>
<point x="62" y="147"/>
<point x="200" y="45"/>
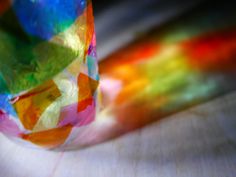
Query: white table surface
<point x="199" y="142"/>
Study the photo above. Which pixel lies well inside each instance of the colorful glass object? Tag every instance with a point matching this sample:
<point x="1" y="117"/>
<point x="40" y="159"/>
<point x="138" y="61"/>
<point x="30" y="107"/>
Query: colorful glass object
<point x="48" y="70"/>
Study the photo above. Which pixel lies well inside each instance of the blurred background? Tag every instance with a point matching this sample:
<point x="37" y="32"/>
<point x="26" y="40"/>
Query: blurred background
<point x="161" y="57"/>
<point x="167" y="70"/>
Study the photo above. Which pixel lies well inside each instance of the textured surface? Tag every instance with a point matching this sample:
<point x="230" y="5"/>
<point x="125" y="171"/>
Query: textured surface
<point x="199" y="142"/>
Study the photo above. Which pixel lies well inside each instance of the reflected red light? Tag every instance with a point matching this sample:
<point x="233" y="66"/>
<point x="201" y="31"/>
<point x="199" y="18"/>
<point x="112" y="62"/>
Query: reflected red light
<point x="213" y="52"/>
<point x="4" y="6"/>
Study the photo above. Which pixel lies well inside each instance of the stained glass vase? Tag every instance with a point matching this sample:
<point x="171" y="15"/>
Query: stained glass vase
<point x="48" y="71"/>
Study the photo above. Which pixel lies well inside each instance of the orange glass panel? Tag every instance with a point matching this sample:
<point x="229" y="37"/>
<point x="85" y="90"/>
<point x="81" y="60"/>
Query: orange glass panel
<point x="50" y="138"/>
<point x="31" y="105"/>
<point x="87" y="86"/>
<point x="84" y="104"/>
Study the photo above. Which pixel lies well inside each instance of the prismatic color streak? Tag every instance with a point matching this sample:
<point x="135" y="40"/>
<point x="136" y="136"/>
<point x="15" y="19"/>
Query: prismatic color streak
<point x="171" y="68"/>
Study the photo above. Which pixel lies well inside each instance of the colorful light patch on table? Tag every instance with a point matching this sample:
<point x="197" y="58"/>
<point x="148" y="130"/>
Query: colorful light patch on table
<point x="187" y="61"/>
<point x="46" y="47"/>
